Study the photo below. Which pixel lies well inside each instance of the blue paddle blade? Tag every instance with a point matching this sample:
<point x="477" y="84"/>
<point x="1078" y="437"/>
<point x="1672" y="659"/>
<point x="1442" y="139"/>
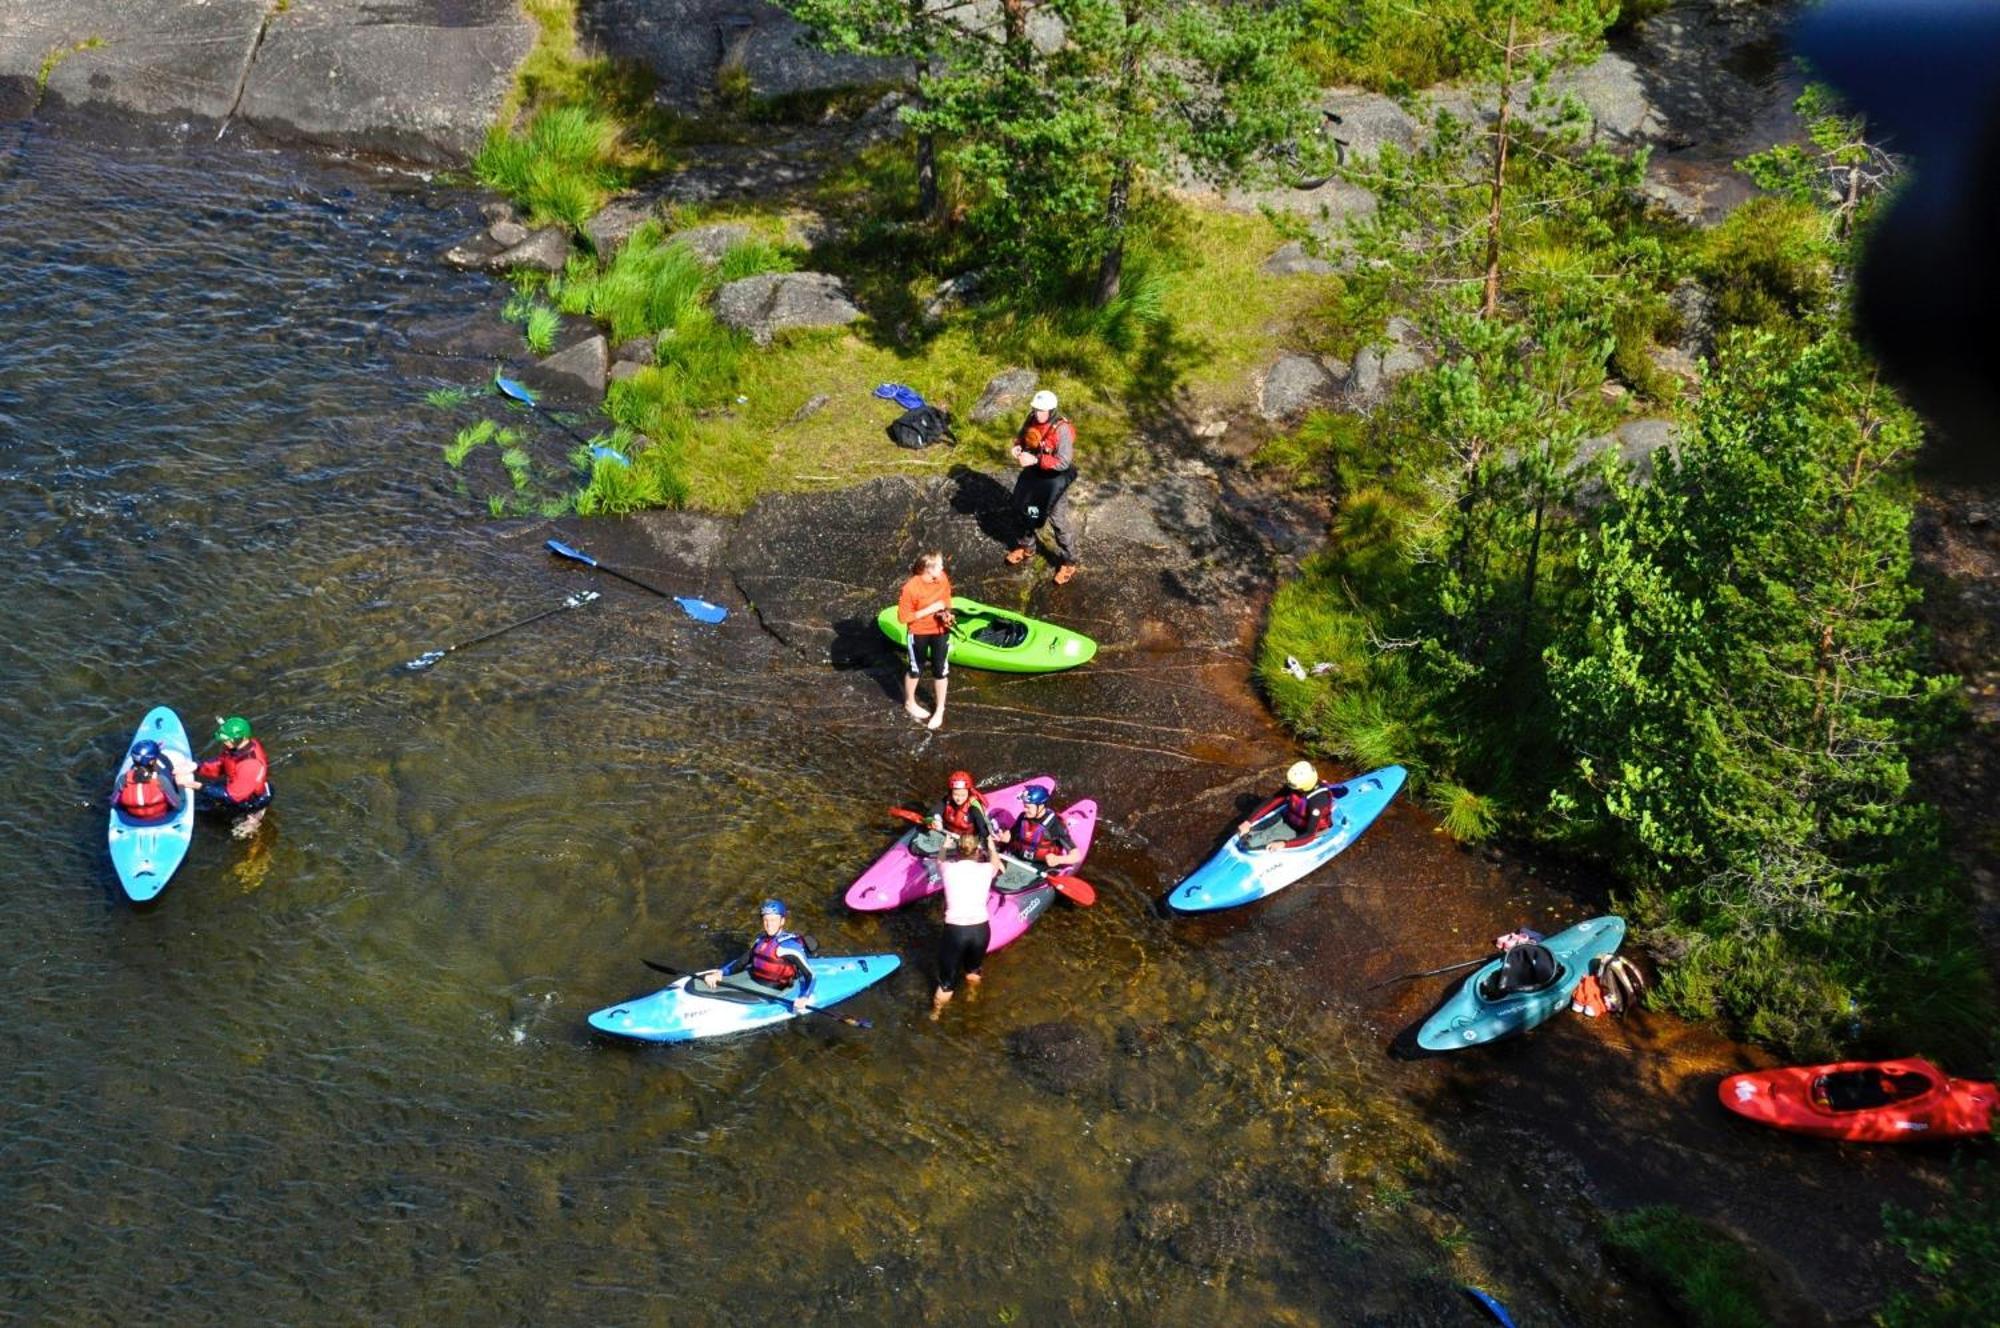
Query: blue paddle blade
<point x="1490" y="1305"/>
<point x="563" y="550"/>
<point x="601" y="452"/>
<point x="701" y="610"/>
<point x="516" y="390"/>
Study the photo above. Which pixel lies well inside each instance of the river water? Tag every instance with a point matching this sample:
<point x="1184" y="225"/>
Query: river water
<point x="339" y="1072"/>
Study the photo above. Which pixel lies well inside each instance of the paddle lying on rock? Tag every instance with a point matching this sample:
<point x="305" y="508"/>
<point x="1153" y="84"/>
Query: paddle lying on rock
<point x="772" y="997"/>
<point x="1433" y="972"/>
<point x="698" y="609"/>
<point x="430" y="657"/>
<point x="1073" y="888"/>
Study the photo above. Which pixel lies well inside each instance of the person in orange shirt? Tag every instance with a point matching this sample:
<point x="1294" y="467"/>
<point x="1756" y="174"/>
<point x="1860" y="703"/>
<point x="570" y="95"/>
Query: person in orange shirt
<point x="924" y="609"/>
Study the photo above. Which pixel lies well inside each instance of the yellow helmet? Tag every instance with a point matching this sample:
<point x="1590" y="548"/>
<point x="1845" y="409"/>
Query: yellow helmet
<point x="1302" y="776"/>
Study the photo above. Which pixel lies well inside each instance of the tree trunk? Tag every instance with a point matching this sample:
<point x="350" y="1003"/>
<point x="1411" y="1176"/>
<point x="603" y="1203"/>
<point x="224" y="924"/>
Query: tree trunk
<point x="1112" y="269"/>
<point x="1014" y="17"/>
<point x="1492" y="306"/>
<point x="927" y="185"/>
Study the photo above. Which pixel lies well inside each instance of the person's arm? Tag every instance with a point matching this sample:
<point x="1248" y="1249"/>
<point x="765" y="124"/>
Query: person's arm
<point x="906" y="604"/>
<point x="172" y="795"/>
<point x="714" y="975"/>
<point x="797" y="951"/>
<point x="1249" y="822"/>
<point x="1065" y="843"/>
<point x="209" y="769"/>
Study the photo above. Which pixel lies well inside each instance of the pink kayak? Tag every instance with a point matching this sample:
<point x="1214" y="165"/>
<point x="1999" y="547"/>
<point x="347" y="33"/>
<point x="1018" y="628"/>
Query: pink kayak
<point x="1012" y="915"/>
<point x="898" y="876"/>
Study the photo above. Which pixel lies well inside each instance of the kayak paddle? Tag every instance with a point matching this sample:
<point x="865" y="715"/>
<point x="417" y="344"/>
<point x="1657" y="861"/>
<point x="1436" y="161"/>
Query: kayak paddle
<point x="914" y="818"/>
<point x="519" y="392"/>
<point x="1073" y="888"/>
<point x="698" y="609"/>
<point x="769" y="996"/>
<point x="430" y="657"/>
<point x="1433" y="972"/>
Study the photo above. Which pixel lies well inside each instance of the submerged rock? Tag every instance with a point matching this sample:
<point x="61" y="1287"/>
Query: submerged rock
<point x="1060" y="1056"/>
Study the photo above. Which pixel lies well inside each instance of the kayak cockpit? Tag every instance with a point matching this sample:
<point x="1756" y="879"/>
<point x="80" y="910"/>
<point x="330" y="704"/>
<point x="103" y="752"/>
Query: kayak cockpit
<point x="1868" y="1089"/>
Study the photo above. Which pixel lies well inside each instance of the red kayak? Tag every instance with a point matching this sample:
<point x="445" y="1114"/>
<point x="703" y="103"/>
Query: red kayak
<point x="1869" y="1102"/>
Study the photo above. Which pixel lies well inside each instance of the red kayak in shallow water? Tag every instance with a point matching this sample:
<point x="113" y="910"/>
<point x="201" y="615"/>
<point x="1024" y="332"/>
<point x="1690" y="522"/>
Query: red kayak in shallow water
<point x="1869" y="1102"/>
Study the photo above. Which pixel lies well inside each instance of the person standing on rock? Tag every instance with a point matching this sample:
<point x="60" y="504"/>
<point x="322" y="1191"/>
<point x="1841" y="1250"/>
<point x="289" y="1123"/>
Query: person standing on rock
<point x="1045" y="450"/>
<point x="924" y="609"/>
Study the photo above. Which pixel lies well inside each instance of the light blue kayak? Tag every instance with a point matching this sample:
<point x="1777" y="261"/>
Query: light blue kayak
<point x="145" y="853"/>
<point x="675" y="1014"/>
<point x="1238" y="876"/>
<point x="1469" y="1018"/>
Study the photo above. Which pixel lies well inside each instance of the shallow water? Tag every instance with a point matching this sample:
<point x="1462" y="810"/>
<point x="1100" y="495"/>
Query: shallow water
<point x="339" y="1072"/>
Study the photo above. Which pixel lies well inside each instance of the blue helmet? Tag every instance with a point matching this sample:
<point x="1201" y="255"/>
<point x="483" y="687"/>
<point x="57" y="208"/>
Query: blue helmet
<point x="1034" y="795"/>
<point x="145" y="752"/>
<point x="774" y="906"/>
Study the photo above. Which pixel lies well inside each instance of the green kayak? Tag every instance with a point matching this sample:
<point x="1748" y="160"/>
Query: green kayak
<point x="984" y="637"/>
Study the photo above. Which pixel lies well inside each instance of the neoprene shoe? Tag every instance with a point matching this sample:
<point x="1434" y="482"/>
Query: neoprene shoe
<point x="1015" y="557"/>
<point x="1064" y="573"/>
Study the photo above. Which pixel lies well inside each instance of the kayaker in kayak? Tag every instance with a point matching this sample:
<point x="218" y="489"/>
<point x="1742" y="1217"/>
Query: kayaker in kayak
<point x="773" y="962"/>
<point x="968" y="892"/>
<point x="1038" y="843"/>
<point x="1293" y="818"/>
<point x="924" y="609"/>
<point x="962" y="812"/>
<point x="1045" y="450"/>
<point x="237" y="781"/>
<point x="144" y="792"/>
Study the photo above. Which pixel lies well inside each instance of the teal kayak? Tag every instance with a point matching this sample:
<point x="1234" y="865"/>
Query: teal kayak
<point x="145" y="853"/>
<point x="678" y="1013"/>
<point x="984" y="637"/>
<point x="1239" y="876"/>
<point x="1471" y="1017"/>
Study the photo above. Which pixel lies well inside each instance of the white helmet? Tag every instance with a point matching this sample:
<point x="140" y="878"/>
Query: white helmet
<point x="1044" y="400"/>
<point x="1302" y="776"/>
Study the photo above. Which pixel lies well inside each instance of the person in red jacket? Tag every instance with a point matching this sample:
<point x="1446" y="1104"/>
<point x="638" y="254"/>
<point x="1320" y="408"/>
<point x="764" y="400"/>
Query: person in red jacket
<point x="924" y="609"/>
<point x="961" y="812"/>
<point x="144" y="792"/>
<point x="239" y="780"/>
<point x="1293" y="818"/>
<point x="1045" y="450"/>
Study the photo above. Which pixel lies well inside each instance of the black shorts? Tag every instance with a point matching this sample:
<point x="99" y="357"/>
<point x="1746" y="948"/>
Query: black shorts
<point x="932" y="649"/>
<point x="961" y="950"/>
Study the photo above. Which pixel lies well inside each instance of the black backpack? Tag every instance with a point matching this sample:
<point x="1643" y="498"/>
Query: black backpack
<point x="919" y="428"/>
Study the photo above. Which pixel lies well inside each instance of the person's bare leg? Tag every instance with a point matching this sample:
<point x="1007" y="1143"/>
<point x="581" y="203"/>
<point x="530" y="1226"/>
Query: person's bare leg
<point x="916" y="711"/>
<point x="937" y="715"/>
<point x="939" y="999"/>
<point x="971" y="985"/>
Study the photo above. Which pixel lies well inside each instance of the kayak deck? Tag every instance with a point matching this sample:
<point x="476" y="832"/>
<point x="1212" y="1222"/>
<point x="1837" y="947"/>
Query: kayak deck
<point x="1469" y="1017"/>
<point x="677" y="1014"/>
<point x="145" y="854"/>
<point x="984" y="637"/>
<point x="1892" y="1101"/>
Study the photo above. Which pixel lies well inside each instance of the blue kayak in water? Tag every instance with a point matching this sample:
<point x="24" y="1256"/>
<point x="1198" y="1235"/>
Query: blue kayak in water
<point x="145" y="853"/>
<point x="1474" y="1015"/>
<point x="688" y="1010"/>
<point x="1236" y="875"/>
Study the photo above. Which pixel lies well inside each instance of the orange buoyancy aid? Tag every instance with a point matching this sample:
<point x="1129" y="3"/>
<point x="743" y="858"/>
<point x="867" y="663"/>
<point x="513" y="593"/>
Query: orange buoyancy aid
<point x="143" y="799"/>
<point x="1588" y="999"/>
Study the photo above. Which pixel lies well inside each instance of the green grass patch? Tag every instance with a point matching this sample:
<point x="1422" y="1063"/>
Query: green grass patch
<point x="540" y="328"/>
<point x="54" y="58"/>
<point x="1709" y="1277"/>
<point x="447" y="398"/>
<point x="561" y="170"/>
<point x="650" y="287"/>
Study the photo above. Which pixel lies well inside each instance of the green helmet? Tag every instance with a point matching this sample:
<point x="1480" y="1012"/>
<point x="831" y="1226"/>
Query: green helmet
<point x="234" y="729"/>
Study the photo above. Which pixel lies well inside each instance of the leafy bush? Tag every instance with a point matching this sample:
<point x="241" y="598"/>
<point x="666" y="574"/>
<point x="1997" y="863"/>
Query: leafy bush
<point x="1768" y="266"/>
<point x="1957" y="1251"/>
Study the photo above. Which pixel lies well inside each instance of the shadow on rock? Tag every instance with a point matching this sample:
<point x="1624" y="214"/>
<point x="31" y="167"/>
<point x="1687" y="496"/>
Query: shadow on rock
<point x="987" y="501"/>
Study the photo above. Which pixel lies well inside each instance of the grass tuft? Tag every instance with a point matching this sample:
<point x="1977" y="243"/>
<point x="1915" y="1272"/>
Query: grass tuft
<point x="447" y="398"/>
<point x="1466" y="816"/>
<point x="542" y="325"/>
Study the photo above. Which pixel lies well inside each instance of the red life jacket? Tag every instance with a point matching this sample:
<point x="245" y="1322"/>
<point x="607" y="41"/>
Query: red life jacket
<point x="768" y="962"/>
<point x="143" y="799"/>
<point x="1299" y="813"/>
<point x="1045" y="441"/>
<point x="958" y="820"/>
<point x="1032" y="838"/>
<point x="250" y="762"/>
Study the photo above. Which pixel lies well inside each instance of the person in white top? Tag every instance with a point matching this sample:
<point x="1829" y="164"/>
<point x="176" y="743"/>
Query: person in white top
<point x="968" y="885"/>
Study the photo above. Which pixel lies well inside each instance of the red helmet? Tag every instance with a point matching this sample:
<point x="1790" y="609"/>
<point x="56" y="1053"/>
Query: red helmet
<point x="958" y="779"/>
